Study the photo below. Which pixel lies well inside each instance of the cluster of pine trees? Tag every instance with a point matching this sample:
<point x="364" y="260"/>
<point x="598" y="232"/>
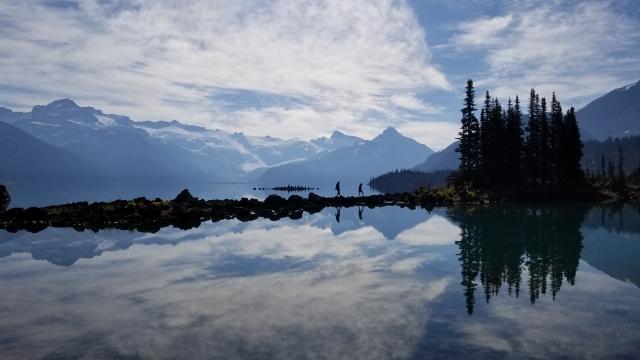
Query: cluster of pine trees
<point x="497" y="150"/>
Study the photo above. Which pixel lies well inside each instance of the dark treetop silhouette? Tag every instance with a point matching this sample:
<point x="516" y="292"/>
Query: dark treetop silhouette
<point x="496" y="152"/>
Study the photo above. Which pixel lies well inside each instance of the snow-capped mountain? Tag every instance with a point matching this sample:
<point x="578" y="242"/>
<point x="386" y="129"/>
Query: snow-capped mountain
<point x="336" y="140"/>
<point x="146" y="150"/>
<point x="612" y="115"/>
<point x="356" y="163"/>
<point x="235" y="153"/>
<point x="111" y="142"/>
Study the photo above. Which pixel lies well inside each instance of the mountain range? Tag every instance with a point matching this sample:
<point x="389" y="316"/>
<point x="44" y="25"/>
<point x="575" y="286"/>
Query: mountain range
<point x="64" y="141"/>
<point x="356" y="163"/>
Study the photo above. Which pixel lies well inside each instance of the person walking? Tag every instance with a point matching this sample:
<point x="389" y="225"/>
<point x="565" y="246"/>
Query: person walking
<point x="360" y="192"/>
<point x="338" y="188"/>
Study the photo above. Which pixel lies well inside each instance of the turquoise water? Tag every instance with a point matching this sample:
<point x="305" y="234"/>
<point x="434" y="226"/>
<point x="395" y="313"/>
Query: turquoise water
<point x="386" y="283"/>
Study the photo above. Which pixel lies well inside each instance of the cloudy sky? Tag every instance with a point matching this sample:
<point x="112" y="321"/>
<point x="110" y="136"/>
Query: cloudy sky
<point x="305" y="68"/>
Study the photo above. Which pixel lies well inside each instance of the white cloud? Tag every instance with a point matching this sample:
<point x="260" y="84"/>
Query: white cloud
<point x="342" y="62"/>
<point x="411" y="102"/>
<point x="436" y="134"/>
<point x="578" y="49"/>
<point x="435" y="231"/>
<point x="484" y="31"/>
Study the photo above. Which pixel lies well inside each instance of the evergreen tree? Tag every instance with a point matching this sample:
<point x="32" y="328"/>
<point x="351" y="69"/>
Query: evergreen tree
<point x="544" y="146"/>
<point x="621" y="176"/>
<point x="602" y="167"/>
<point x="556" y="133"/>
<point x="572" y="155"/>
<point x="485" y="140"/>
<point x="495" y="150"/>
<point x="611" y="171"/>
<point x="533" y="140"/>
<point x="513" y="133"/>
<point x="495" y="147"/>
<point x="468" y="147"/>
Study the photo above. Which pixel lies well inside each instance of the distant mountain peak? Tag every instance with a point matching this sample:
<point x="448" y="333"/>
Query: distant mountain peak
<point x="62" y="103"/>
<point x="391" y="131"/>
<point x="630" y="86"/>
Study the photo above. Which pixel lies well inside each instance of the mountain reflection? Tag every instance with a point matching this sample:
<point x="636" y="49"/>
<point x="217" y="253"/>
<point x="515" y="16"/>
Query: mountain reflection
<point x="507" y="247"/>
<point x="497" y="244"/>
<point x="382" y="283"/>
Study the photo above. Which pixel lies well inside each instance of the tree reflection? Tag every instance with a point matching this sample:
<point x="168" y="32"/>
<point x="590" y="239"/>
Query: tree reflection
<point x="497" y="244"/>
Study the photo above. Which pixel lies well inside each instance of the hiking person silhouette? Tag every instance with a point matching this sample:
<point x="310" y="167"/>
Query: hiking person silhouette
<point x="360" y="211"/>
<point x="360" y="192"/>
<point x="338" y="214"/>
<point x="338" y="188"/>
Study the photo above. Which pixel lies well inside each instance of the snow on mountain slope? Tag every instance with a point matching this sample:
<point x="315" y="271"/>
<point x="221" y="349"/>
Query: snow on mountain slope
<point x="358" y="162"/>
<point x="159" y="149"/>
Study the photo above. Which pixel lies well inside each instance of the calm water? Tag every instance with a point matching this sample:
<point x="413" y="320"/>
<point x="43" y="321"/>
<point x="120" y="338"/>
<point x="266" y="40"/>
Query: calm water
<point x="509" y="282"/>
<point x="51" y="193"/>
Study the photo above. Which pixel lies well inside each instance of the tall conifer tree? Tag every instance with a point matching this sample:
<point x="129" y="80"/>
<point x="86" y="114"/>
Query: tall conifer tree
<point x="533" y="140"/>
<point x="544" y="145"/>
<point x="556" y="146"/>
<point x="572" y="155"/>
<point x="469" y="133"/>
<point x="513" y="143"/>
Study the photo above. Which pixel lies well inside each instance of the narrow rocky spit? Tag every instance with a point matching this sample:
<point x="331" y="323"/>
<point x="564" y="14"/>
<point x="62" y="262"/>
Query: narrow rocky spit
<point x="187" y="211"/>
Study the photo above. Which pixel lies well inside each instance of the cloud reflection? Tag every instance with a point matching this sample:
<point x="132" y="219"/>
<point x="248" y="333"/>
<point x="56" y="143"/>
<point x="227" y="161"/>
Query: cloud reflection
<point x="175" y="301"/>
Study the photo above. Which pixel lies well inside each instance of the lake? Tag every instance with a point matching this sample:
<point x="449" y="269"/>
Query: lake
<point x="26" y="194"/>
<point x="509" y="281"/>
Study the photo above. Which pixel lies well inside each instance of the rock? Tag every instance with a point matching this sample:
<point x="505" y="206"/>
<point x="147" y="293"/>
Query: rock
<point x="5" y="199"/>
<point x="33" y="214"/>
<point x="274" y="201"/>
<point x="295" y="199"/>
<point x="315" y="197"/>
<point x="184" y="197"/>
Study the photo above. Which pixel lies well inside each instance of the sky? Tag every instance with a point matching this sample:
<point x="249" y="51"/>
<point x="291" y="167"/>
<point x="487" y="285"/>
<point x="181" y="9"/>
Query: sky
<point x="304" y="68"/>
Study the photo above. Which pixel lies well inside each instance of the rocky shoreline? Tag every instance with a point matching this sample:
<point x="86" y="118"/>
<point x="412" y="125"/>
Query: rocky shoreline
<point x="186" y="211"/>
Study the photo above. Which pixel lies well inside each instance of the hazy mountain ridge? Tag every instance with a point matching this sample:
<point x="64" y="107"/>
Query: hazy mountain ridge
<point x="23" y="157"/>
<point x="358" y="162"/>
<point x="158" y="150"/>
<point x="613" y="115"/>
<point x="114" y="146"/>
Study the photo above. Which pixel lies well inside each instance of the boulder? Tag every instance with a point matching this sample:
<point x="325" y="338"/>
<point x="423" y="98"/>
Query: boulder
<point x="274" y="201"/>
<point x="184" y="197"/>
<point x="295" y="199"/>
<point x="315" y="197"/>
<point x="5" y="199"/>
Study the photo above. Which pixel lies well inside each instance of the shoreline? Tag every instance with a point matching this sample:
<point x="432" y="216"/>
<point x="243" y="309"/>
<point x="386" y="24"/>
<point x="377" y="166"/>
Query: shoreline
<point x="186" y="211"/>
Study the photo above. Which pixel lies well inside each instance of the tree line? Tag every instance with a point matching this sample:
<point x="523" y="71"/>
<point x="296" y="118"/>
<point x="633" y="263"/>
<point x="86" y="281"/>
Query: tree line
<point x="612" y="162"/>
<point x="407" y="180"/>
<point x="500" y="150"/>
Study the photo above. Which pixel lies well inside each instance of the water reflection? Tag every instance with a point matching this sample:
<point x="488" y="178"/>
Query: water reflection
<point x="381" y="283"/>
<point x="497" y="244"/>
